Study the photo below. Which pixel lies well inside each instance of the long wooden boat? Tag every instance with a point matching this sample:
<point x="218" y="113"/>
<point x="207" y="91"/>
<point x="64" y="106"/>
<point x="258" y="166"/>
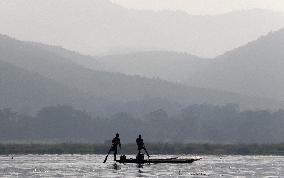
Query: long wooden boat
<point x="156" y="161"/>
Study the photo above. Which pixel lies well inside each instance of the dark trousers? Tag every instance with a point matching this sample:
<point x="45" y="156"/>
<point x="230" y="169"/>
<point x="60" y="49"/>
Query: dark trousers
<point x="114" y="149"/>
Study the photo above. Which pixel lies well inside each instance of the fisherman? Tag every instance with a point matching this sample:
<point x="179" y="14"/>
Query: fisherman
<point x="115" y="143"/>
<point x="141" y="145"/>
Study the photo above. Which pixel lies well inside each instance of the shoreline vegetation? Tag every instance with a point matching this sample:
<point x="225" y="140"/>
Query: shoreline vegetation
<point x="153" y="148"/>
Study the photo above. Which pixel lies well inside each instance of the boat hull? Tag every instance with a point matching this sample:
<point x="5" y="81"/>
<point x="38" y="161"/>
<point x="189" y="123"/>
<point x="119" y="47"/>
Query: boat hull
<point x="156" y="161"/>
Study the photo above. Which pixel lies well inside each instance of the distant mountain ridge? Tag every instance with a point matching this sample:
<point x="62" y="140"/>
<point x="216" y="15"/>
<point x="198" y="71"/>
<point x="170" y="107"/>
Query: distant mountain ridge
<point x="171" y="66"/>
<point x="254" y="69"/>
<point x="96" y="90"/>
<point x="28" y="92"/>
<point x="101" y="26"/>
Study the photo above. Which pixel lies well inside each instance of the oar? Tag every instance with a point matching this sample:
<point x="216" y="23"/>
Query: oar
<point x="107" y="155"/>
<point x="147" y="154"/>
<point x="146" y="151"/>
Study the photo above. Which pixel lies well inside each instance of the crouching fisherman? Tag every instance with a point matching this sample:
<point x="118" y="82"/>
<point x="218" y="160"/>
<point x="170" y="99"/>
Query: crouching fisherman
<point x="140" y="145"/>
<point x="115" y="143"/>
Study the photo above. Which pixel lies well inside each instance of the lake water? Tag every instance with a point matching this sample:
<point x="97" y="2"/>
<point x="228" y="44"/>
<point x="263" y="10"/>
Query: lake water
<point x="92" y="166"/>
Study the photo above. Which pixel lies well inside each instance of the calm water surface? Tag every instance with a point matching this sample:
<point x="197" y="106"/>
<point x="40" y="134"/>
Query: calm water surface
<point x="92" y="166"/>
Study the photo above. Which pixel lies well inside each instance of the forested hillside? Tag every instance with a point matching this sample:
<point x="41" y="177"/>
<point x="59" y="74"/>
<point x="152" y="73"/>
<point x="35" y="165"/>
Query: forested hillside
<point x="193" y="124"/>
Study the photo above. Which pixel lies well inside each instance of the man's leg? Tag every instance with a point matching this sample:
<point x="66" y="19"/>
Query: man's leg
<point x="114" y="154"/>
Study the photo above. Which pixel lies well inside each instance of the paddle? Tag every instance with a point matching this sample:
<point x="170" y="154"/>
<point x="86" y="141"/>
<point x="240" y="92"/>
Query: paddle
<point x="107" y="154"/>
<point x="147" y="153"/>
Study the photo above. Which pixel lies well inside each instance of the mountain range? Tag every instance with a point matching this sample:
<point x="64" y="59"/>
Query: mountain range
<point x="102" y="27"/>
<point x="35" y="75"/>
<point x="166" y="65"/>
<point x="255" y="69"/>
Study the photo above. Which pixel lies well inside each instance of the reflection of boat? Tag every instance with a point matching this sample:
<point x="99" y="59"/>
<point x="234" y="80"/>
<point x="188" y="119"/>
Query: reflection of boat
<point x="140" y="160"/>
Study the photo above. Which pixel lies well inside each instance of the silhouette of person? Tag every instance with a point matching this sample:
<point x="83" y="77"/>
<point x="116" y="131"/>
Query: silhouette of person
<point x="115" y="143"/>
<point x="140" y="144"/>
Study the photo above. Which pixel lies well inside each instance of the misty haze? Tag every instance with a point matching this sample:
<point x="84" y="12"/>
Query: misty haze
<point x="78" y="72"/>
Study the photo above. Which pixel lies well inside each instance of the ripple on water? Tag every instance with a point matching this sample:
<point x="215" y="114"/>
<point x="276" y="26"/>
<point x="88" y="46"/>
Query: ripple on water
<point x="91" y="165"/>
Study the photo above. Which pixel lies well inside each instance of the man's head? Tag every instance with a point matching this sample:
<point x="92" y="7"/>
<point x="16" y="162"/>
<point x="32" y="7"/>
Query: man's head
<point x="117" y="135"/>
<point x="139" y="136"/>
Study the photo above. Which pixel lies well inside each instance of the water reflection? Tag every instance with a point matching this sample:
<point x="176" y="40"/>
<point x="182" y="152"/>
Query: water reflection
<point x="116" y="166"/>
<point x="92" y="166"/>
<point x="139" y="165"/>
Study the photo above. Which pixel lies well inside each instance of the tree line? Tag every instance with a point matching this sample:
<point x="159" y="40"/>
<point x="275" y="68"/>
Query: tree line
<point x="194" y="124"/>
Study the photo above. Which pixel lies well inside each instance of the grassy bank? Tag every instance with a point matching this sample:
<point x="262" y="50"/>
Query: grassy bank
<point x="73" y="148"/>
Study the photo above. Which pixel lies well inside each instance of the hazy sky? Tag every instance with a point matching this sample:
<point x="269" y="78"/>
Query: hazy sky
<point x="203" y="6"/>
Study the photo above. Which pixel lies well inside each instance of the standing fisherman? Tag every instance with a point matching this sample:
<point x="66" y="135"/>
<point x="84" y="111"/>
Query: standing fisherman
<point x="115" y="143"/>
<point x="140" y="144"/>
